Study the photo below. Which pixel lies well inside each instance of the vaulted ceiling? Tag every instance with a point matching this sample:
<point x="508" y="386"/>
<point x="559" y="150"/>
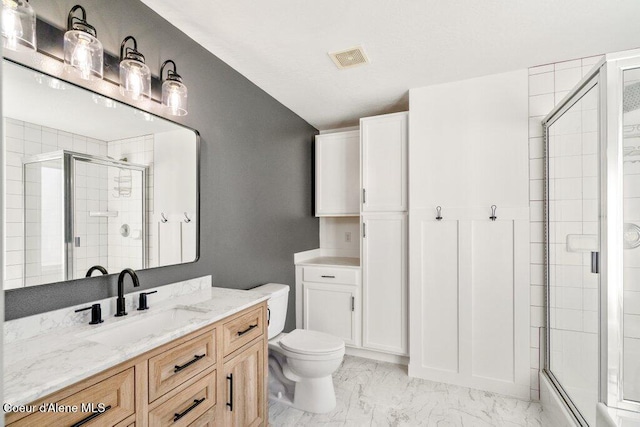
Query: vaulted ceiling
<point x="282" y="45"/>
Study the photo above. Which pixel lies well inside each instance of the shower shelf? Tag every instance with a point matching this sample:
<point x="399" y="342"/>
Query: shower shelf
<point x="111" y="214"/>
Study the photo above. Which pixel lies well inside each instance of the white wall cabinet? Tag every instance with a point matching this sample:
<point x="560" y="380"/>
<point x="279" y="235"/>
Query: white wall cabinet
<point x="384" y="260"/>
<point x="338" y="174"/>
<point x="333" y="309"/>
<point x="383" y="144"/>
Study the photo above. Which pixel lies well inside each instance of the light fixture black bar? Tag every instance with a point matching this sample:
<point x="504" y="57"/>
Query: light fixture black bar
<point x="50" y="42"/>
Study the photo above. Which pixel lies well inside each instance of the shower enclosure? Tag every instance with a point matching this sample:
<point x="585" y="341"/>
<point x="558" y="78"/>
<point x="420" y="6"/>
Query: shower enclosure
<point x="593" y="240"/>
<point x="80" y="211"/>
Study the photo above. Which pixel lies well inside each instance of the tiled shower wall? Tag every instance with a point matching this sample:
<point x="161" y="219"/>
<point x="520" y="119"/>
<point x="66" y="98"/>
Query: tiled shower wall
<point x="23" y="140"/>
<point x="548" y="85"/>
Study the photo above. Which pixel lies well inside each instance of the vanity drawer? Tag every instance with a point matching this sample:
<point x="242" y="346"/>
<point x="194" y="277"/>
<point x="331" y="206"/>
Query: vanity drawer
<point x="348" y="276"/>
<point x="241" y="330"/>
<point x="117" y="393"/>
<point x="208" y="419"/>
<point x="187" y="406"/>
<point x="177" y="365"/>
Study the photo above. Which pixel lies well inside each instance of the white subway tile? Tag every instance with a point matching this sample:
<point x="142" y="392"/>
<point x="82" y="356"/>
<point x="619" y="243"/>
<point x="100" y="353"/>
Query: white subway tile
<point x="591" y="60"/>
<point x="590" y="322"/>
<point x="559" y="96"/>
<point x="535" y="338"/>
<point x="536" y="148"/>
<point x="14" y="130"/>
<point x="540" y="84"/>
<point x="537" y="232"/>
<point x="535" y="358"/>
<point x="536" y="169"/>
<point x="540" y="105"/>
<point x="536" y="209"/>
<point x="33" y="134"/>
<point x="576" y="63"/>
<point x="536" y="189"/>
<point x="541" y="69"/>
<point x="14" y="145"/>
<point x="537" y="274"/>
<point x="567" y="79"/>
<point x="537" y="296"/>
<point x="535" y="127"/>
<point x="534" y="380"/>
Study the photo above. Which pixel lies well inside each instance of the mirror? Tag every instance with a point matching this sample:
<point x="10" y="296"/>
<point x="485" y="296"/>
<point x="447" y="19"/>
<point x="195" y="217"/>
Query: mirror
<point x="91" y="182"/>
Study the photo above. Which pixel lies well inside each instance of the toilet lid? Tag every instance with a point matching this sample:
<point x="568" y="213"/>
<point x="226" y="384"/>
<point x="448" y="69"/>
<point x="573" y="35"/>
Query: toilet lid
<point x="311" y="342"/>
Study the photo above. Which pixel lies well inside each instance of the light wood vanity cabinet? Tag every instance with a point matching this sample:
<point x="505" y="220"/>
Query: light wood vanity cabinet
<point x="245" y="382"/>
<point x="215" y="376"/>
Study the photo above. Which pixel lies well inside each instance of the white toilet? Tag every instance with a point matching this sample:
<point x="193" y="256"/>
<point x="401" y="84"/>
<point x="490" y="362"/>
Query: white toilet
<point x="301" y="362"/>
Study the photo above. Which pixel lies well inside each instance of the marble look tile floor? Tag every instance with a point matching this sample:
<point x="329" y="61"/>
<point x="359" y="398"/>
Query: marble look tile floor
<point x="371" y="393"/>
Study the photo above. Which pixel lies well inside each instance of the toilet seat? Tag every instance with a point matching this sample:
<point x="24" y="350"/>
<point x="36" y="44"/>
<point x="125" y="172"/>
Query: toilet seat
<point x="306" y="342"/>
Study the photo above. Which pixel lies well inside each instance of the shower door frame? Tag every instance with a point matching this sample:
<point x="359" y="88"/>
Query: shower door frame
<point x="588" y="82"/>
<point x="68" y="172"/>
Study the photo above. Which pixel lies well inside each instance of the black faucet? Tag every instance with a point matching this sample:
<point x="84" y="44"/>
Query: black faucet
<point x="99" y="268"/>
<point x="120" y="308"/>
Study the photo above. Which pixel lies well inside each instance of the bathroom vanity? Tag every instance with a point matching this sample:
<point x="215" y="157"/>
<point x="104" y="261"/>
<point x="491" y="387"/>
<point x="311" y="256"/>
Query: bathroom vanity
<point x="198" y="358"/>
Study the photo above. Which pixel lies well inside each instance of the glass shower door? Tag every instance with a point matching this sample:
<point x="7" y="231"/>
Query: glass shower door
<point x="44" y="253"/>
<point x="573" y="236"/>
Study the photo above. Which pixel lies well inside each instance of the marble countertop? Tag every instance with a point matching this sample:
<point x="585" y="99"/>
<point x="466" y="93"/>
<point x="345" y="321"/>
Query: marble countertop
<point x="334" y="261"/>
<point x="35" y="366"/>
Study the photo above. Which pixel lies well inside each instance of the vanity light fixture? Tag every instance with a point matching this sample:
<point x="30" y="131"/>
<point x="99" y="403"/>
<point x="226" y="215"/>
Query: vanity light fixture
<point x="135" y="75"/>
<point x="83" y="52"/>
<point x="174" y="92"/>
<point x="18" y="25"/>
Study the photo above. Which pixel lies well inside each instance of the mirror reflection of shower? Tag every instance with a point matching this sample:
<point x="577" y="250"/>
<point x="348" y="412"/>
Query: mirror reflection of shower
<point x="76" y="206"/>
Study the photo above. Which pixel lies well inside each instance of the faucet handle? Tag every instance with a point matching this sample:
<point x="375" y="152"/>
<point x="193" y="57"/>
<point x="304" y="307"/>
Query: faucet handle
<point x="96" y="313"/>
<point x="142" y="303"/>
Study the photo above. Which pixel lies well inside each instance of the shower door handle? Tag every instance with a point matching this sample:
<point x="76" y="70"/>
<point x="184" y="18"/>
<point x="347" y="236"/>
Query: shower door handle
<point x="595" y="262"/>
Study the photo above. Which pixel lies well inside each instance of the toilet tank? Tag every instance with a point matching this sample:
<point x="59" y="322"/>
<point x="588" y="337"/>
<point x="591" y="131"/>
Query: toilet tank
<point x="277" y="303"/>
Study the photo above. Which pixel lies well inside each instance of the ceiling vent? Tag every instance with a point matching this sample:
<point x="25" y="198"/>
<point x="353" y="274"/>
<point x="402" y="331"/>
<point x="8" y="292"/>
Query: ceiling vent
<point x="349" y="58"/>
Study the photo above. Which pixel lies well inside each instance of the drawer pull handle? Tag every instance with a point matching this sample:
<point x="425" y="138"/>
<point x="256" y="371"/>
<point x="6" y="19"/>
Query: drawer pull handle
<point x="329" y="277"/>
<point x="230" y="402"/>
<point x="91" y="417"/>
<point x="179" y="368"/>
<point x="196" y="402"/>
<point x="241" y="333"/>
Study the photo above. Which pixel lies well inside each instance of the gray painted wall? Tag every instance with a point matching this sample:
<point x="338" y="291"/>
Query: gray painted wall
<point x="256" y="167"/>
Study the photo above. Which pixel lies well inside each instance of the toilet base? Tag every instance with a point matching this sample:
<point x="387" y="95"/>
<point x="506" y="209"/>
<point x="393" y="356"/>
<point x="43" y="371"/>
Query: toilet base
<point x="315" y="395"/>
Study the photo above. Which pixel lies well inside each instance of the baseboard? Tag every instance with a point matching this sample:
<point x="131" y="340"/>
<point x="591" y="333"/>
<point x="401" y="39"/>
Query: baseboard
<point x="376" y="355"/>
<point x="519" y="391"/>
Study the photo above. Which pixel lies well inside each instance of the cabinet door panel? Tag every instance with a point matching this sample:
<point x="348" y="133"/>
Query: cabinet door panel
<point x="338" y="174"/>
<point x="332" y="309"/>
<point x="384" y="163"/>
<point x="384" y="283"/>
<point x="245" y="391"/>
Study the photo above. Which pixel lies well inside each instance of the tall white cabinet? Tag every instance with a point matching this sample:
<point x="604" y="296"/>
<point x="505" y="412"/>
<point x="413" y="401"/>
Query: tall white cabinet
<point x="383" y="147"/>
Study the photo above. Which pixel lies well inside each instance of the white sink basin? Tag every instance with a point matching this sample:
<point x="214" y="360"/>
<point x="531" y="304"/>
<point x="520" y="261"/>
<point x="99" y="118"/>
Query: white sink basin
<point x="143" y="326"/>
